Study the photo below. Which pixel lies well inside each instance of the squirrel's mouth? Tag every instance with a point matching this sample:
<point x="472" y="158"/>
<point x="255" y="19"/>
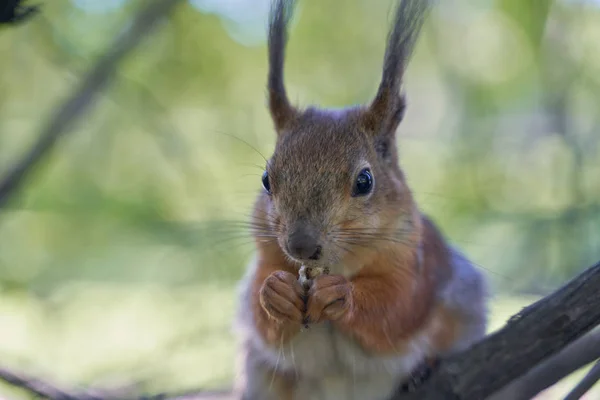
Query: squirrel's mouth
<point x="319" y="258"/>
<point x="315" y="262"/>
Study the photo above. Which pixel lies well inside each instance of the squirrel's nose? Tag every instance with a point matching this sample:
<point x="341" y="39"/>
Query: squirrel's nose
<point x="303" y="246"/>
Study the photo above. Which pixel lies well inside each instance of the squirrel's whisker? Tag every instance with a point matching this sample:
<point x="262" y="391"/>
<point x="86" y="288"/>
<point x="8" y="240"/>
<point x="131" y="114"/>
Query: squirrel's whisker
<point x="242" y="141"/>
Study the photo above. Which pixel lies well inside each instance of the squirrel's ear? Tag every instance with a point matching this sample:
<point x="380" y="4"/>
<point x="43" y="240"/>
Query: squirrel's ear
<point x="387" y="109"/>
<point x="385" y="113"/>
<point x="282" y="112"/>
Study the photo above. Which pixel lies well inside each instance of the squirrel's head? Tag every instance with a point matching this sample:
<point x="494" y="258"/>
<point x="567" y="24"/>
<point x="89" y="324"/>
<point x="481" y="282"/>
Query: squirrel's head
<point x="333" y="187"/>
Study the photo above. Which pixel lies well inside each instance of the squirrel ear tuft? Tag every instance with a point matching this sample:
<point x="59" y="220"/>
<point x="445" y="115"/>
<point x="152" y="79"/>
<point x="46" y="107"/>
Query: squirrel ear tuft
<point x="282" y="112"/>
<point x="385" y="113"/>
<point x="387" y="109"/>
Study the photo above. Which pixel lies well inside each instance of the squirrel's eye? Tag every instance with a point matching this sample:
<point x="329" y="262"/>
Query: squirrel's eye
<point x="265" y="182"/>
<point x="364" y="183"/>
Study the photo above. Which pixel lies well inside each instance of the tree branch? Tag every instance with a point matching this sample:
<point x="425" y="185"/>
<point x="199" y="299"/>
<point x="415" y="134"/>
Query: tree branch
<point x="61" y="122"/>
<point x="586" y="383"/>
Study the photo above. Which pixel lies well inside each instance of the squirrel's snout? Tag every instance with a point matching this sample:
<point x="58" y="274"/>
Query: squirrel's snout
<point x="301" y="245"/>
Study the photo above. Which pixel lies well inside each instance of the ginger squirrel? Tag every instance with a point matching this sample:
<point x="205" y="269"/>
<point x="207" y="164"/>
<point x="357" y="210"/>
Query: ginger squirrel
<point x="395" y="295"/>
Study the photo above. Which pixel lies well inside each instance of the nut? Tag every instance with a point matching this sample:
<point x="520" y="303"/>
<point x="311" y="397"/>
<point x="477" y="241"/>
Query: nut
<point x="307" y="274"/>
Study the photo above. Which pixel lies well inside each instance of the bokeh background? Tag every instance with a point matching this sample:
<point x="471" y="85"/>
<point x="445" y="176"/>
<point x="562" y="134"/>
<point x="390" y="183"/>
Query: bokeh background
<point x="119" y="260"/>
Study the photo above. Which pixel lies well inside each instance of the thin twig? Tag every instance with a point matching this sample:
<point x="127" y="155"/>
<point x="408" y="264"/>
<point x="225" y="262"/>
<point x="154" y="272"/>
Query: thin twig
<point x="573" y="357"/>
<point x="46" y="390"/>
<point x="61" y="122"/>
<point x="586" y="383"/>
<point x="41" y="388"/>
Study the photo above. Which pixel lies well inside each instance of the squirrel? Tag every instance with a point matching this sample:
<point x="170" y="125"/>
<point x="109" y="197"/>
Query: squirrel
<point x="397" y="296"/>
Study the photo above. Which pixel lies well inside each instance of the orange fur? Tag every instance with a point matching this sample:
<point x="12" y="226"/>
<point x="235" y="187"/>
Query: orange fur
<point x="445" y="330"/>
<point x="391" y="298"/>
<point x="273" y="330"/>
<point x="388" y="300"/>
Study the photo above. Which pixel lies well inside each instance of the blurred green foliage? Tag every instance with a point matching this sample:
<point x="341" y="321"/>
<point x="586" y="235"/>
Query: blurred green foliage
<point x="120" y="257"/>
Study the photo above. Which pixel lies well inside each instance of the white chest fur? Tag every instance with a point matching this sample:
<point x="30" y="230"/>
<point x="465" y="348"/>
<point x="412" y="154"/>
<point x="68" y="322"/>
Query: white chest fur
<point x="331" y="366"/>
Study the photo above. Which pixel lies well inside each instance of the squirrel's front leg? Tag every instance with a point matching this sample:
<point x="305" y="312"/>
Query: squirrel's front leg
<point x="329" y="298"/>
<point x="278" y="305"/>
<point x="377" y="309"/>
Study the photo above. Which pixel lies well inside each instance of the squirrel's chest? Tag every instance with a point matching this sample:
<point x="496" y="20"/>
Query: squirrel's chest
<point x="318" y="349"/>
<point x="330" y="365"/>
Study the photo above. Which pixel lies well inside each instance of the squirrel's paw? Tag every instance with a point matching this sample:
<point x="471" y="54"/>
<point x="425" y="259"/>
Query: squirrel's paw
<point x="281" y="296"/>
<point x="329" y="298"/>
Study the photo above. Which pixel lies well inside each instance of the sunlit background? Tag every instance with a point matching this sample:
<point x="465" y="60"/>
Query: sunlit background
<point x="119" y="260"/>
